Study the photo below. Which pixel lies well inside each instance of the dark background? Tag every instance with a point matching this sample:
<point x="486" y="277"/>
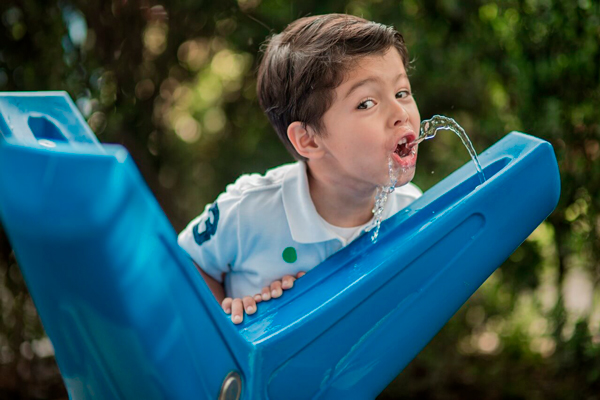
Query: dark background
<point x="174" y="82"/>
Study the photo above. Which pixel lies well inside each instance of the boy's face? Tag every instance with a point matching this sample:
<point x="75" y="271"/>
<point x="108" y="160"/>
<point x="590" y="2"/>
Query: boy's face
<point x="372" y="113"/>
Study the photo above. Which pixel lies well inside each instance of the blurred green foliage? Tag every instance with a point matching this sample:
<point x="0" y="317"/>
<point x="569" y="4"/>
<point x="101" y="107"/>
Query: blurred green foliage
<point x="174" y="82"/>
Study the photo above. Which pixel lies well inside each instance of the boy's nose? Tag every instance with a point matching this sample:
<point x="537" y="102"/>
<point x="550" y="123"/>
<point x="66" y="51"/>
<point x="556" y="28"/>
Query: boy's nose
<point x="399" y="115"/>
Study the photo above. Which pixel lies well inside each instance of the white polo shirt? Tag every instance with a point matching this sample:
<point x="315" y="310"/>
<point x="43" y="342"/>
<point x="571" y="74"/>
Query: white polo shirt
<point x="266" y="226"/>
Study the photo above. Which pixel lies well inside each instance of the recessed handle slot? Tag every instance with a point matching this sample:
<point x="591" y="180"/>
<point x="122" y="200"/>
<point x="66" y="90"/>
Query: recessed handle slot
<point x="44" y="129"/>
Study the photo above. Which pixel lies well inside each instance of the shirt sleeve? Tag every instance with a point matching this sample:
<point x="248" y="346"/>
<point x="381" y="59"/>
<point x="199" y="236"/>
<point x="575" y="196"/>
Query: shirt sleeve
<point x="211" y="239"/>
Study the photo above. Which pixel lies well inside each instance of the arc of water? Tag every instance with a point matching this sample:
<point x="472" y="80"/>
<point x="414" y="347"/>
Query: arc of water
<point x="430" y="127"/>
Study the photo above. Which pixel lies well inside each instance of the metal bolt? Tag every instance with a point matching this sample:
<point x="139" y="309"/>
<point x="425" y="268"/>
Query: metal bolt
<point x="232" y="387"/>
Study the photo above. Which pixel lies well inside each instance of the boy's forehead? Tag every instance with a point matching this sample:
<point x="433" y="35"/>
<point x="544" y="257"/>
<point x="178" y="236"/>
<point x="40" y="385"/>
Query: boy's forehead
<point x="373" y="67"/>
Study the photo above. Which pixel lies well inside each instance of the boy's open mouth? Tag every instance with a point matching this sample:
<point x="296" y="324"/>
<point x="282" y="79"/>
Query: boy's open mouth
<point x="404" y="147"/>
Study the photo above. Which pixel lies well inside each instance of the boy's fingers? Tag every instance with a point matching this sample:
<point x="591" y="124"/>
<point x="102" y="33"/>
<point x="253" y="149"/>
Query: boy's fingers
<point x="266" y="293"/>
<point x="237" y="311"/>
<point x="237" y="307"/>
<point x="249" y="305"/>
<point x="287" y="282"/>
<point x="226" y="304"/>
<point x="276" y="289"/>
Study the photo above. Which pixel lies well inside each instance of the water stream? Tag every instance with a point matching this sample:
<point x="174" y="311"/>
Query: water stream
<point x="381" y="198"/>
<point x="429" y="129"/>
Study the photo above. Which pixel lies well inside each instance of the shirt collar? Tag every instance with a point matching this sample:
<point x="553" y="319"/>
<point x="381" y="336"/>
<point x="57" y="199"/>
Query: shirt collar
<point x="305" y="223"/>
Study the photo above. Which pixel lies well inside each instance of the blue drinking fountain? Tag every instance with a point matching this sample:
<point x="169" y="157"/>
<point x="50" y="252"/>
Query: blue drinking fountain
<point x="130" y="317"/>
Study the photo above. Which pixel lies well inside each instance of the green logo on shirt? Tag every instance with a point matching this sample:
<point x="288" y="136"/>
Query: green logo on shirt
<point x="289" y="255"/>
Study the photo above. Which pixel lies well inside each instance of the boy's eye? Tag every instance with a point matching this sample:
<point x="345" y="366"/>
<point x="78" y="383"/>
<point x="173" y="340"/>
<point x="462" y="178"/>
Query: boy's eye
<point x="402" y="94"/>
<point x="365" y="105"/>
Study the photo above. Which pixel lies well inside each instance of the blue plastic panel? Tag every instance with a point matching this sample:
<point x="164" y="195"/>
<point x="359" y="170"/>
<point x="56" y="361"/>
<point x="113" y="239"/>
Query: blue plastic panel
<point x="130" y="317"/>
<point x="127" y="313"/>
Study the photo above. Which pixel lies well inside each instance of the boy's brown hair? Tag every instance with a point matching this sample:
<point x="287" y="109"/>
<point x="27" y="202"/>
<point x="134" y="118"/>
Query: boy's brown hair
<point x="303" y="65"/>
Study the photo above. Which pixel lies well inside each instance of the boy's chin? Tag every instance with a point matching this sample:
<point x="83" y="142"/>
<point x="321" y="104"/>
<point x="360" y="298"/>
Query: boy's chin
<point x="406" y="177"/>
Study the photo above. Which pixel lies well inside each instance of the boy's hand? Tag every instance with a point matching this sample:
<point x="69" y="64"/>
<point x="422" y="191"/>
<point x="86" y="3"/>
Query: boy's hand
<point x="276" y="288"/>
<point x="236" y="307"/>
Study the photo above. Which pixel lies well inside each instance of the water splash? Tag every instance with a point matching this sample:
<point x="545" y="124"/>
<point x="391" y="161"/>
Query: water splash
<point x="430" y="127"/>
<point x="381" y="198"/>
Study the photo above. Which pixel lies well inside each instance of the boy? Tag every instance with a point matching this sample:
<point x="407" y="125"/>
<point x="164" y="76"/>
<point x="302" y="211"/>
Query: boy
<point x="336" y="91"/>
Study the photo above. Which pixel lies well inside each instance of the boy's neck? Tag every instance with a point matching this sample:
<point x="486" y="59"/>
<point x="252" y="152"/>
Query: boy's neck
<point x="338" y="203"/>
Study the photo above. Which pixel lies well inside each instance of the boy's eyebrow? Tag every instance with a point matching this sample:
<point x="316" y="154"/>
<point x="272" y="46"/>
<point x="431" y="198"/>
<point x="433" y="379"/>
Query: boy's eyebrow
<point x="368" y="80"/>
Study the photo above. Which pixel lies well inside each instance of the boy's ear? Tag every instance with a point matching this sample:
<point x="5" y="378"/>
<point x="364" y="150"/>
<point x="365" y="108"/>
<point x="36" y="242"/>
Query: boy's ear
<point x="305" y="140"/>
